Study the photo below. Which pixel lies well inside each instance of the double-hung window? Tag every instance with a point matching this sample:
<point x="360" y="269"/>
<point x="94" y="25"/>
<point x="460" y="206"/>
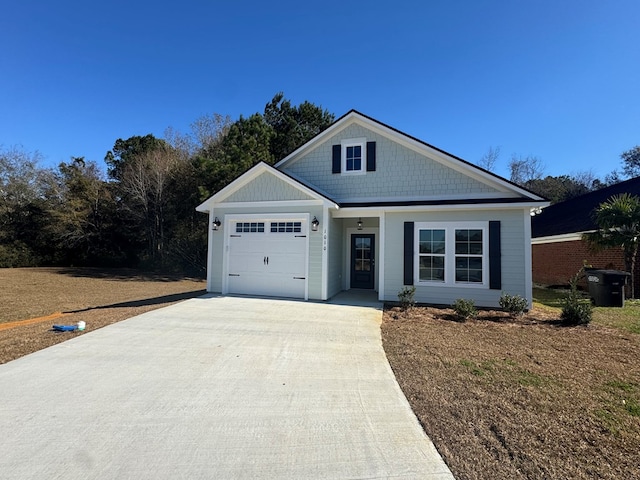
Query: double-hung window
<point x="451" y="253"/>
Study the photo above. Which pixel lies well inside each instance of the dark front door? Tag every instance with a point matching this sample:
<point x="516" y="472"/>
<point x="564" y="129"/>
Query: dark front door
<point x="362" y="261"/>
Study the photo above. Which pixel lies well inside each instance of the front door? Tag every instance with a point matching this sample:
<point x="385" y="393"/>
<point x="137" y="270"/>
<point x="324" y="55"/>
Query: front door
<point x="362" y="261"/>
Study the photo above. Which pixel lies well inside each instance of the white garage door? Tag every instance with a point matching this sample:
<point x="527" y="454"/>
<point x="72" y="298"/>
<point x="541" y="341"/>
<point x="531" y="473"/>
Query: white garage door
<point x="268" y="257"/>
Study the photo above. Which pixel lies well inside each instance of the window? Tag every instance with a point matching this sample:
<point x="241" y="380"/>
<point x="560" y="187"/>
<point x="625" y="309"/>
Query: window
<point x="469" y="255"/>
<point x="432" y="252"/>
<point x="451" y="253"/>
<point x="249" y="227"/>
<point x="286" y="227"/>
<point x="353" y="156"/>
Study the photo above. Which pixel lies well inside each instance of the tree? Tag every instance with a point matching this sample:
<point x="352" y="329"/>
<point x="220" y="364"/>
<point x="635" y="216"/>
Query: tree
<point x="488" y="160"/>
<point x="618" y="221"/>
<point x="631" y="162"/>
<point x="245" y="144"/>
<point x="23" y="187"/>
<point x="525" y="169"/>
<point x="293" y="126"/>
<point x="84" y="227"/>
<point x="124" y="151"/>
<point x="559" y="189"/>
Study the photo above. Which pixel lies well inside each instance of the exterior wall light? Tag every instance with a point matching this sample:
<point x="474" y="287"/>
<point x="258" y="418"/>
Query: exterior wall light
<point x="359" y="224"/>
<point x="216" y="224"/>
<point x="315" y="224"/>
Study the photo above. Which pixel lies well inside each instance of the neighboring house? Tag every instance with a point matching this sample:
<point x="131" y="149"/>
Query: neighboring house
<point x="365" y="206"/>
<point x="558" y="249"/>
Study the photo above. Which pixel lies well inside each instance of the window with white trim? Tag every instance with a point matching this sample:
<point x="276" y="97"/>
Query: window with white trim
<point x="452" y="253"/>
<point x="354" y="159"/>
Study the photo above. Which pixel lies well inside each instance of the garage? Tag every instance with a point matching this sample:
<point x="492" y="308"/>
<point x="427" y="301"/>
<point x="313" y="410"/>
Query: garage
<point x="267" y="257"/>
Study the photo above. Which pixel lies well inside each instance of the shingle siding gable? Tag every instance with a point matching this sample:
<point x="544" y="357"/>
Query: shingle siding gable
<point x="400" y="171"/>
<point x="266" y="187"/>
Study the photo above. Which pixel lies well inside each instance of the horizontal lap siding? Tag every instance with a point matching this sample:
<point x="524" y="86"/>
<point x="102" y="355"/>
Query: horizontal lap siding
<point x="335" y="242"/>
<point x="512" y="247"/>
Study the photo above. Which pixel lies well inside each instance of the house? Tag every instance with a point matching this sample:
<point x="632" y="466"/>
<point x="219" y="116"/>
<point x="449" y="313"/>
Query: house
<point x="557" y="246"/>
<point x="365" y="206"/>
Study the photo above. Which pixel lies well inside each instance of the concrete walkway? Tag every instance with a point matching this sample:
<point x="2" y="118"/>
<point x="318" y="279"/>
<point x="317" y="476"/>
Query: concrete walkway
<point x="215" y="388"/>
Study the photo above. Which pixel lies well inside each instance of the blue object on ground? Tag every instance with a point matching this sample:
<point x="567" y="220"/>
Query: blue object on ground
<point x="65" y="328"/>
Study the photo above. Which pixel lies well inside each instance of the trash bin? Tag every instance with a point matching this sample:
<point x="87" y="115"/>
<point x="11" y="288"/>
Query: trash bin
<point x="606" y="287"/>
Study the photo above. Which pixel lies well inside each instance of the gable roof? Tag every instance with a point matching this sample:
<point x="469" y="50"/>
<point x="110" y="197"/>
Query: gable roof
<point x="253" y="173"/>
<point x="575" y="215"/>
<point x="434" y="153"/>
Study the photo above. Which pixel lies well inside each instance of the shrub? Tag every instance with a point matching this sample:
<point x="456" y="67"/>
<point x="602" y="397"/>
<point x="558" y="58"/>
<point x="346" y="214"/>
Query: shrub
<point x="515" y="305"/>
<point x="575" y="309"/>
<point x="406" y="296"/>
<point x="465" y="309"/>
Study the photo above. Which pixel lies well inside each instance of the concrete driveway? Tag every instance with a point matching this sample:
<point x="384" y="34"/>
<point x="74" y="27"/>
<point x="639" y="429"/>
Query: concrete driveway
<point x="215" y="388"/>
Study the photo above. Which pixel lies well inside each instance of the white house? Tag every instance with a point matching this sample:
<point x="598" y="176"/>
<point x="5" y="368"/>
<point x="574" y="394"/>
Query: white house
<point x="363" y="205"/>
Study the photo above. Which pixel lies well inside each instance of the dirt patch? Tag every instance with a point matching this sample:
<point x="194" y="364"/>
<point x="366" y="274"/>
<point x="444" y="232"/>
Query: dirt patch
<point x="99" y="297"/>
<point x="520" y="399"/>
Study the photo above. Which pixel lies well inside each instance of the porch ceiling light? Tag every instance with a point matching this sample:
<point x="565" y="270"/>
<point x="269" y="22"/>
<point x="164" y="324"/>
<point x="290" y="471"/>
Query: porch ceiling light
<point x="315" y="224"/>
<point x="216" y="224"/>
<point x="359" y="224"/>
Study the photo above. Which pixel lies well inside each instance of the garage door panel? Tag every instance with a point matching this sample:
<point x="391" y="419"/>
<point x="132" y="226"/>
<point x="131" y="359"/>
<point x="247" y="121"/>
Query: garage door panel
<point x="270" y="263"/>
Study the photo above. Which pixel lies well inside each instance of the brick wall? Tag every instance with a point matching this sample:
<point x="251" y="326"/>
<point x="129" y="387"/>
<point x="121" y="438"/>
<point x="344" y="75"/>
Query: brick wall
<point x="556" y="263"/>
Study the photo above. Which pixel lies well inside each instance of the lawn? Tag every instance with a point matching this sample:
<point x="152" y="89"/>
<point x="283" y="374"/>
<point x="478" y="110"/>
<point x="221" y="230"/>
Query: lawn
<point x="523" y="398"/>
<point x="99" y="297"/>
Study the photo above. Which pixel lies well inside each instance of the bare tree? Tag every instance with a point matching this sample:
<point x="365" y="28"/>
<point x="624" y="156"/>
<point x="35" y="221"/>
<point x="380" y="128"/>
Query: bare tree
<point x="489" y="160"/>
<point x="145" y="182"/>
<point x="525" y="169"/>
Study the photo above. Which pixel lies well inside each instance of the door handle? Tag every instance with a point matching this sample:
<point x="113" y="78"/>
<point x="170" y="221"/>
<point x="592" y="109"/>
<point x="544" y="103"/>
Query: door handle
<point x="267" y="260"/>
<point x="264" y="260"/>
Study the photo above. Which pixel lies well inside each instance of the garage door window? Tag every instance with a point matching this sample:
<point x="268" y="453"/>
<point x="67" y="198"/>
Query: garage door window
<point x="286" y="227"/>
<point x="249" y="227"/>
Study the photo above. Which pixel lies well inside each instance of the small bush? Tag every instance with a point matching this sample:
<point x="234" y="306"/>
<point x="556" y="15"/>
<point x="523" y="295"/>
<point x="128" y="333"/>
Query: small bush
<point x="465" y="309"/>
<point x="515" y="305"/>
<point x="575" y="309"/>
<point x="406" y="296"/>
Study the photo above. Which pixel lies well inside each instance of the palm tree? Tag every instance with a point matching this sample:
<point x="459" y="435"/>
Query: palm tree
<point x="618" y="221"/>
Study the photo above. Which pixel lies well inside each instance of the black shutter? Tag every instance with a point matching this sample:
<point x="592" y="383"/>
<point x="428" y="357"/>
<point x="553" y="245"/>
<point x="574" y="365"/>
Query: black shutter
<point x="408" y="253"/>
<point x="371" y="156"/>
<point x="495" y="262"/>
<point x="336" y="160"/>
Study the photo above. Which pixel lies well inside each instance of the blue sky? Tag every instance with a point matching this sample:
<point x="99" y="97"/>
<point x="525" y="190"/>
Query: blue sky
<point x="556" y="79"/>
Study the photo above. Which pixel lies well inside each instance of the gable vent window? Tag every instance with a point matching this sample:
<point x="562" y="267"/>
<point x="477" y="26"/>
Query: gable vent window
<point x="354" y="156"/>
<point x="250" y="227"/>
<point x="286" y="227"/>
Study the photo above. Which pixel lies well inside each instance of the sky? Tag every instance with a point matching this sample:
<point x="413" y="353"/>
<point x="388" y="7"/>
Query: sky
<point x="558" y="80"/>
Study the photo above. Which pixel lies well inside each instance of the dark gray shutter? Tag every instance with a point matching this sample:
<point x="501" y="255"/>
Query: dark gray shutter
<point x="336" y="160"/>
<point x="371" y="156"/>
<point x="408" y="253"/>
<point x="495" y="260"/>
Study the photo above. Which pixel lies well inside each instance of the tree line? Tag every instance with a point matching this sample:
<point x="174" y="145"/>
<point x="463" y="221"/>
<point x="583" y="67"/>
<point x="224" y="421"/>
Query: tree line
<point x="141" y="211"/>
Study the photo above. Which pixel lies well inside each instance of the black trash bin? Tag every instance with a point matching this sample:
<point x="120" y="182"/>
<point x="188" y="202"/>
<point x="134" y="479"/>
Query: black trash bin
<point x="606" y="287"/>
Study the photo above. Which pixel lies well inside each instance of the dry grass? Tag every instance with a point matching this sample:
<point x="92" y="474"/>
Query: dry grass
<point x="97" y="296"/>
<point x="521" y="399"/>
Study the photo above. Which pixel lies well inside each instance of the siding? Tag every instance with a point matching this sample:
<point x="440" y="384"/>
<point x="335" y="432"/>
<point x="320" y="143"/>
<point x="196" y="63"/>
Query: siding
<point x="335" y="249"/>
<point x="400" y="172"/>
<point x="267" y="187"/>
<point x="513" y="249"/>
